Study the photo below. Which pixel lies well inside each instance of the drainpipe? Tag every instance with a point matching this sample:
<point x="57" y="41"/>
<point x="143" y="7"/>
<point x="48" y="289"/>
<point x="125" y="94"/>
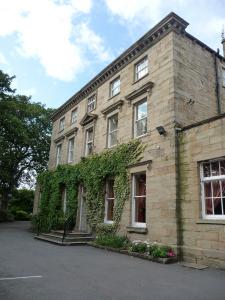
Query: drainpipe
<point x="178" y="195"/>
<point x="217" y="86"/>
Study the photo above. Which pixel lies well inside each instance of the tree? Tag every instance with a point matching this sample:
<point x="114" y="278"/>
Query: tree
<point x="24" y="140"/>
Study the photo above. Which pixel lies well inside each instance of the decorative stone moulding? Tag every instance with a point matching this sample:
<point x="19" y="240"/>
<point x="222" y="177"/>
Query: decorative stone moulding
<point x="111" y="108"/>
<point x="138" y="92"/>
<point x="71" y="131"/>
<point x="169" y="23"/>
<point x="88" y="118"/>
<point x="59" y="139"/>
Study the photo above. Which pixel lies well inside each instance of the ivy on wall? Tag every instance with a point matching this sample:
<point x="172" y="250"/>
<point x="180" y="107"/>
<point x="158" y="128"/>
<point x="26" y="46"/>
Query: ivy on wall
<point x="91" y="173"/>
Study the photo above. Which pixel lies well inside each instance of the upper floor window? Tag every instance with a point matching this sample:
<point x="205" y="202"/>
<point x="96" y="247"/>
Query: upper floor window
<point x="115" y="87"/>
<point x="140" y="118"/>
<point x="58" y="154"/>
<point x="89" y="141"/>
<point x="139" y="200"/>
<point x="91" y="103"/>
<point x="224" y="77"/>
<point x="213" y="189"/>
<point x="112" y="130"/>
<point x="74" y="116"/>
<point x="71" y="150"/>
<point x="109" y="201"/>
<point x="61" y="124"/>
<point x="141" y="68"/>
<point x="64" y="200"/>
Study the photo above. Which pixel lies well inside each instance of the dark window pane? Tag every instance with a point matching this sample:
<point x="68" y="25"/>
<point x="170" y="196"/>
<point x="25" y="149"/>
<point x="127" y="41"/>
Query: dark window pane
<point x="223" y="188"/>
<point x="217" y="206"/>
<point x="206" y="170"/>
<point x="222" y="167"/>
<point x="110" y="210"/>
<point x="208" y="206"/>
<point x="208" y="190"/>
<point x="140" y="182"/>
<point x="140" y="209"/>
<point x="215" y="168"/>
<point x="216" y="188"/>
<point x="110" y="189"/>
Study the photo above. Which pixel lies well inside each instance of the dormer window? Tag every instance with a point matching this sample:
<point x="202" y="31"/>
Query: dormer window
<point x="115" y="87"/>
<point x="91" y="103"/>
<point x="141" y="68"/>
<point x="61" y="124"/>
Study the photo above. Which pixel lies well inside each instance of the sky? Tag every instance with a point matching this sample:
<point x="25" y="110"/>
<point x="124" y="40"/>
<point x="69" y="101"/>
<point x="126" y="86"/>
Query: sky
<point x="54" y="47"/>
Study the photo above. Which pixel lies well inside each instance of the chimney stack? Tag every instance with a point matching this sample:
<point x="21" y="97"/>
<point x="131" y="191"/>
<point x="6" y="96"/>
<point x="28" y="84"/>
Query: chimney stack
<point x="223" y="41"/>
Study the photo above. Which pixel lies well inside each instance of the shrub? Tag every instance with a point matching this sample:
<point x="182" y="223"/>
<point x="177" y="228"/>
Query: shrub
<point x="139" y="246"/>
<point x="22" y="215"/>
<point x="111" y="240"/>
<point x="6" y="216"/>
<point x="156" y="250"/>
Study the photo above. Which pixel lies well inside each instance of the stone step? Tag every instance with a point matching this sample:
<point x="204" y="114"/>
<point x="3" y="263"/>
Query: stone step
<point x="59" y="242"/>
<point x="72" y="234"/>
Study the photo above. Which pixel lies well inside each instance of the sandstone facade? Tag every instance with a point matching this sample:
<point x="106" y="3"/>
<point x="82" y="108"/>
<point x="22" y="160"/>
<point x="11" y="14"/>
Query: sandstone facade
<point x="183" y="86"/>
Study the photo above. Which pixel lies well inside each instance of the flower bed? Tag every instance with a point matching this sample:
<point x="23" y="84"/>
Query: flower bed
<point x="120" y="244"/>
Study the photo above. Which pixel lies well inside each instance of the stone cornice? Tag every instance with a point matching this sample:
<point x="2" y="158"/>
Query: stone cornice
<point x="59" y="139"/>
<point x="171" y="22"/>
<point x="112" y="107"/>
<point x="71" y="131"/>
<point x="138" y="92"/>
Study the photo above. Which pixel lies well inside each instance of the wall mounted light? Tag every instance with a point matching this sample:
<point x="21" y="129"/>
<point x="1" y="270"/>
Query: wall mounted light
<point x="161" y="130"/>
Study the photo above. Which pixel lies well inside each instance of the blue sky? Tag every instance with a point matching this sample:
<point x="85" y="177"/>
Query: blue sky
<point x="54" y="47"/>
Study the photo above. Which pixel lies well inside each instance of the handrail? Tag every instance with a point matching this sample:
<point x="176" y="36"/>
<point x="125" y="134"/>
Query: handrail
<point x="68" y="226"/>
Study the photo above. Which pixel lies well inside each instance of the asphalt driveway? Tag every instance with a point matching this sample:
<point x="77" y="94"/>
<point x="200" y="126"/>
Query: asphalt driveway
<point x="32" y="269"/>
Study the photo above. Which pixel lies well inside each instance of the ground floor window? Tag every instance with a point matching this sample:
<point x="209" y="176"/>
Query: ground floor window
<point x="139" y="200"/>
<point x="213" y="189"/>
<point x="109" y="201"/>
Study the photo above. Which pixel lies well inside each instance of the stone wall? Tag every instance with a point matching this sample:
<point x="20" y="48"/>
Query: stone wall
<point x="203" y="240"/>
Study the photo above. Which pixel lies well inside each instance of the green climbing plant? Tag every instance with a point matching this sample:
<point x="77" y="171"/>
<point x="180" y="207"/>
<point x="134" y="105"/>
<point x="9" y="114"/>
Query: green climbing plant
<point x="91" y="173"/>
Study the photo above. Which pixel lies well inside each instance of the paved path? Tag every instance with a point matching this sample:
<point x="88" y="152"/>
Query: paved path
<point x="84" y="272"/>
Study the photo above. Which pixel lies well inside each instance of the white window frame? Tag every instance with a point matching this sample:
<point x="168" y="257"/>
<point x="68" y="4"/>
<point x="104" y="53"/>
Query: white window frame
<point x="64" y="201"/>
<point x="71" y="146"/>
<point x="61" y="124"/>
<point x="106" y="203"/>
<point x="141" y="68"/>
<point x="210" y="179"/>
<point x="91" y="103"/>
<point x="110" y="132"/>
<point x="74" y="116"/>
<point x="134" y="223"/>
<point x="115" y="87"/>
<point x="136" y="120"/>
<point x="89" y="142"/>
<point x="58" y="154"/>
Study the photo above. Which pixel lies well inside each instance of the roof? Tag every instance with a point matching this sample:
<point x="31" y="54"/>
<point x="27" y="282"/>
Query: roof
<point x="172" y="22"/>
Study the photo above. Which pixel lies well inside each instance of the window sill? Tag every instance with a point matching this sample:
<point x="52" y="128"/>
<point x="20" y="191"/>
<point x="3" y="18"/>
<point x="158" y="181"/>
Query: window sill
<point x="213" y="222"/>
<point x="111" y="97"/>
<point x="140" y="78"/>
<point x="142" y="136"/>
<point x="142" y="230"/>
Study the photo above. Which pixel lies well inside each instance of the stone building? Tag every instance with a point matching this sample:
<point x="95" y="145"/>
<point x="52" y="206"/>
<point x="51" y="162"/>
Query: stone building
<point x="168" y="90"/>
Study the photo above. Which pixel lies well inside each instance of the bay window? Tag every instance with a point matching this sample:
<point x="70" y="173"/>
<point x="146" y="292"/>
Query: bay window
<point x="213" y="189"/>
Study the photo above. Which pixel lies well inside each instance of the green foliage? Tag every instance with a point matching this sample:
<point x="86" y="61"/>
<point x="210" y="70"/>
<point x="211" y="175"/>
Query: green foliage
<point x="156" y="250"/>
<point x="92" y="173"/>
<point x="138" y="246"/>
<point x="104" y="229"/>
<point x="22" y="200"/>
<point x="114" y="241"/>
<point x="21" y="215"/>
<point x="6" y="216"/>
<point x="24" y="141"/>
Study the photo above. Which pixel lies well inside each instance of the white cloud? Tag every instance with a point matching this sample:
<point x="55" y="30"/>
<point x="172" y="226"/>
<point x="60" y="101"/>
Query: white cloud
<point x="3" y="60"/>
<point x="205" y="17"/>
<point x="45" y="30"/>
